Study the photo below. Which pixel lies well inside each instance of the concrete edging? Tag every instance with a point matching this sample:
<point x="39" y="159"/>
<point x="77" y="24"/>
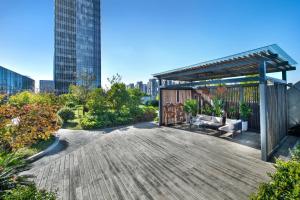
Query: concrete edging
<point x="42" y="153"/>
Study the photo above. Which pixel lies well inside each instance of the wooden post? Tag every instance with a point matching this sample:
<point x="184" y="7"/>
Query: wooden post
<point x="263" y="111"/>
<point x="284" y="75"/>
<point x="160" y="102"/>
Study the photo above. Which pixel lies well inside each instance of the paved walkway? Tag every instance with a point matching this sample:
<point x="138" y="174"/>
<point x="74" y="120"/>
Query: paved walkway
<point x="148" y="162"/>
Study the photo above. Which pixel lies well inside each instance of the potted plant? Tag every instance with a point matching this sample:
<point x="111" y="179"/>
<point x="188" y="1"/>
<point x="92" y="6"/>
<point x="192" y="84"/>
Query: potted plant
<point x="245" y="112"/>
<point x="190" y="107"/>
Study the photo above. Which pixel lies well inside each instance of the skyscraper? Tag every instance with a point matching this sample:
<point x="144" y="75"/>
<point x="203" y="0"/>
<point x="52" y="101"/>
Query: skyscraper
<point x="12" y="82"/>
<point x="77" y="56"/>
<point x="46" y="86"/>
<point x="152" y="88"/>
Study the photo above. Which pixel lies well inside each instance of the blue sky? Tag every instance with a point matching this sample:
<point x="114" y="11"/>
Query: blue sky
<point x="142" y="37"/>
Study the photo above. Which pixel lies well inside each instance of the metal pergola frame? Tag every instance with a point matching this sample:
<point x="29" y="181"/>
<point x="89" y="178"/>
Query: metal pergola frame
<point x="257" y="63"/>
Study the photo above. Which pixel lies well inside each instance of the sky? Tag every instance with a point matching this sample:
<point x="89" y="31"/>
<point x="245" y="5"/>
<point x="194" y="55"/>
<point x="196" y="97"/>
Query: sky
<point x="143" y="37"/>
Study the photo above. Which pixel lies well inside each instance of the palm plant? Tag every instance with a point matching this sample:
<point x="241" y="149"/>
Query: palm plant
<point x="10" y="165"/>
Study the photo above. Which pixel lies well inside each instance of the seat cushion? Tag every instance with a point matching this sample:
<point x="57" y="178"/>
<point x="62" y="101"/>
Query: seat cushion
<point x="206" y="117"/>
<point x="217" y="119"/>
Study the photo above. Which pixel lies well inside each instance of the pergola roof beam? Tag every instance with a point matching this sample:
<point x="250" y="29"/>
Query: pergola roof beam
<point x="245" y="63"/>
<point x="219" y="81"/>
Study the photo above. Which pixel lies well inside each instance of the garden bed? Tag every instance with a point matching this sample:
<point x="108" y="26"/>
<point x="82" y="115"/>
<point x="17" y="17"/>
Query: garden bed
<point x="37" y="147"/>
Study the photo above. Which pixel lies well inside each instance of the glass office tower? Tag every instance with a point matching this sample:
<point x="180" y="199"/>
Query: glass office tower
<point x="12" y="82"/>
<point x="77" y="58"/>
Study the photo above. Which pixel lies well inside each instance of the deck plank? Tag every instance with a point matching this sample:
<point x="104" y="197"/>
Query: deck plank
<point x="155" y="163"/>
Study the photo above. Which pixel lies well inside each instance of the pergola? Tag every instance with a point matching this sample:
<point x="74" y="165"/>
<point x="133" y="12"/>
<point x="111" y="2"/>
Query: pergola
<point x="236" y="69"/>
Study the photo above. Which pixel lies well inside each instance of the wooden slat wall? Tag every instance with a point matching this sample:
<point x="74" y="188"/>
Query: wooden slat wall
<point x="232" y="98"/>
<point x="276" y="115"/>
<point x="170" y="96"/>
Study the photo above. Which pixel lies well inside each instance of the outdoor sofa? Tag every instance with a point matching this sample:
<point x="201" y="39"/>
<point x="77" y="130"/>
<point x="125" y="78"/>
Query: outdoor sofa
<point x="230" y="126"/>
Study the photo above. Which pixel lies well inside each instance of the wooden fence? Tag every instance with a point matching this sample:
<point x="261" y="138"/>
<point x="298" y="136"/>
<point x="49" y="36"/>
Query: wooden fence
<point x="232" y="96"/>
<point x="276" y="115"/>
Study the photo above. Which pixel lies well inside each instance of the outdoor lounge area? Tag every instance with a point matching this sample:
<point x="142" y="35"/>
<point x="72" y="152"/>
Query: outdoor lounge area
<point x="224" y="88"/>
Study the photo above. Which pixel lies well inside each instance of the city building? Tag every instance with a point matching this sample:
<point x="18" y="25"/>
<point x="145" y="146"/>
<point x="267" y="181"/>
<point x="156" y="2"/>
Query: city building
<point x="77" y="54"/>
<point x="47" y="86"/>
<point x="139" y="85"/>
<point x="152" y="88"/>
<point x="144" y="88"/>
<point x="130" y="86"/>
<point x="12" y="82"/>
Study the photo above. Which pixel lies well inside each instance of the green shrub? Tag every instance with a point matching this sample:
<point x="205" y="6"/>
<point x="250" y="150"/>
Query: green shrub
<point x="296" y="153"/>
<point x="218" y="105"/>
<point x="94" y="122"/>
<point x="207" y="110"/>
<point x="284" y="184"/>
<point x="153" y="103"/>
<point x="10" y="165"/>
<point x="245" y="111"/>
<point x="29" y="192"/>
<point x="25" y="98"/>
<point x="66" y="114"/>
<point x="70" y="104"/>
<point x="149" y="113"/>
<point x="190" y="106"/>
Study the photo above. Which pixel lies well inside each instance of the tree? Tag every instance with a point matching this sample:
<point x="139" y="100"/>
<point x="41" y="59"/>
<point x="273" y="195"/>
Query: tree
<point x="97" y="102"/>
<point x="118" y="96"/>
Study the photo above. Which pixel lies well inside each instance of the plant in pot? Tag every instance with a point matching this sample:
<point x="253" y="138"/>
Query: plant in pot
<point x="245" y="113"/>
<point x="190" y="107"/>
<point x="218" y="105"/>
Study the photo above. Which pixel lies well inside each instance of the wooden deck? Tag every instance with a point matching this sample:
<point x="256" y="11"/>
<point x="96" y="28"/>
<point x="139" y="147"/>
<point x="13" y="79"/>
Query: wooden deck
<point x="155" y="163"/>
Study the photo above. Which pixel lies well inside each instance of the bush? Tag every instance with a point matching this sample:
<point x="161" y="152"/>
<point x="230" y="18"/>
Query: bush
<point x="70" y="104"/>
<point x="149" y="113"/>
<point x="153" y="103"/>
<point x="296" y="153"/>
<point x="94" y="122"/>
<point x="24" y="126"/>
<point x="284" y="184"/>
<point x="190" y="106"/>
<point x="66" y="114"/>
<point x="25" y="98"/>
<point x="29" y="192"/>
<point x="10" y="165"/>
<point x="207" y="110"/>
<point x="245" y="111"/>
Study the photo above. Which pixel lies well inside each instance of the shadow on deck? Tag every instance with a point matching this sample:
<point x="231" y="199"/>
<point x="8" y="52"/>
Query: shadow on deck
<point x="247" y="138"/>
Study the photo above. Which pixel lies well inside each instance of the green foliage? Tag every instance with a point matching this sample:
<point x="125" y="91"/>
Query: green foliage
<point x="218" y="105"/>
<point x="284" y="184"/>
<point x="24" y="126"/>
<point x="10" y="165"/>
<point x="153" y="103"/>
<point x="123" y="117"/>
<point x="29" y="192"/>
<point x="70" y="104"/>
<point x="207" y="110"/>
<point x="118" y="96"/>
<point x="97" y="102"/>
<point x="190" y="106"/>
<point x="149" y="113"/>
<point x="78" y="94"/>
<point x="231" y="113"/>
<point x="245" y="111"/>
<point x="296" y="153"/>
<point x="25" y="98"/>
<point x="66" y="114"/>
<point x="135" y="97"/>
